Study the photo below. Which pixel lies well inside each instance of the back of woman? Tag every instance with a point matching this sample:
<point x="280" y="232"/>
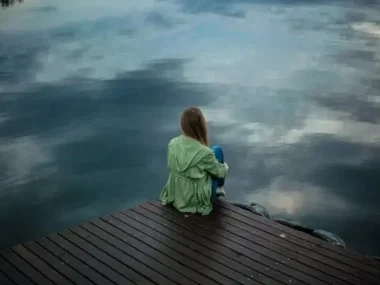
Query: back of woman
<point x="196" y="172"/>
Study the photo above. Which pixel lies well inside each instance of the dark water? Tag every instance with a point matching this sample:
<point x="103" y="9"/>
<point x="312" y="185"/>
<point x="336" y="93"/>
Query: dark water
<point x="91" y="92"/>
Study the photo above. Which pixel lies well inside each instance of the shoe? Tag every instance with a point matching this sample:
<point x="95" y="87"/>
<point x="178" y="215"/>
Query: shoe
<point x="220" y="193"/>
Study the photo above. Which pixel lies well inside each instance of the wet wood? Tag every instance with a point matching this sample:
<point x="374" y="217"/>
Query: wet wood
<point x="5" y="280"/>
<point x="153" y="244"/>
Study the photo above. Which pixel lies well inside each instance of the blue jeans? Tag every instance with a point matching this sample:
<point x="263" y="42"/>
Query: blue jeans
<point x="217" y="182"/>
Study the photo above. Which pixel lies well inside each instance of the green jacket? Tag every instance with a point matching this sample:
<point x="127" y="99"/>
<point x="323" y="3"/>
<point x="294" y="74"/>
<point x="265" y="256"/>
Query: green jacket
<point x="191" y="165"/>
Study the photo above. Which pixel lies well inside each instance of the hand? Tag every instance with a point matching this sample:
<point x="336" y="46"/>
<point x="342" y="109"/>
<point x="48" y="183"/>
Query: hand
<point x="226" y="165"/>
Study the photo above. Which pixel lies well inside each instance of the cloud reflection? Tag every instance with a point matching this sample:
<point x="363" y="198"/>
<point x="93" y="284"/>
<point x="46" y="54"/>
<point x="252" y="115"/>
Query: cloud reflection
<point x="295" y="200"/>
<point x="91" y="92"/>
<point x="64" y="144"/>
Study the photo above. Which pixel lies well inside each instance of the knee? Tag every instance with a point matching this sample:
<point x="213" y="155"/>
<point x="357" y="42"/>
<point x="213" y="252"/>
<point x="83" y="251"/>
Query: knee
<point x="218" y="152"/>
<point x="216" y="148"/>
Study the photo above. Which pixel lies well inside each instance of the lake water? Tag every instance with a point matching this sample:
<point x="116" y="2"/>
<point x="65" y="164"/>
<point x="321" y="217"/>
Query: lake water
<point x="91" y="92"/>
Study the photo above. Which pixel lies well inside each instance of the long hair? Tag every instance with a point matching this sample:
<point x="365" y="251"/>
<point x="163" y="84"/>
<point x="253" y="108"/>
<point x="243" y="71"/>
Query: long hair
<point x="193" y="125"/>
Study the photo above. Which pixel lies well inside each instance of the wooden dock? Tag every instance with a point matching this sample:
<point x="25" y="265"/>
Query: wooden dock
<point x="152" y="244"/>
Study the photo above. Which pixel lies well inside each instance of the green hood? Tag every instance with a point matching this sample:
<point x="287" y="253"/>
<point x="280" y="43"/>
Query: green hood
<point x="188" y="152"/>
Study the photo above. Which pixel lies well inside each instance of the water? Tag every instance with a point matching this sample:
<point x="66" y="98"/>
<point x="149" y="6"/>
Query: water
<point x="91" y="92"/>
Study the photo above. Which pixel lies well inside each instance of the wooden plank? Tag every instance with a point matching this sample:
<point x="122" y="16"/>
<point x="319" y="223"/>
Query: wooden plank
<point x="347" y="253"/>
<point x="104" y="252"/>
<point x="226" y="276"/>
<point x="233" y="252"/>
<point x="41" y="266"/>
<point x="25" y="268"/>
<point x="202" y="246"/>
<point x="345" y="263"/>
<point x="73" y="262"/>
<point x="91" y="259"/>
<point x="142" y="257"/>
<point x="153" y="244"/>
<point x="297" y="261"/>
<point x="4" y="280"/>
<point x="161" y="249"/>
<point x="275" y="252"/>
<point x="70" y="273"/>
<point x="113" y="269"/>
<point x="260" y="254"/>
<point x="245" y="224"/>
<point x="13" y="274"/>
<point x="352" y="276"/>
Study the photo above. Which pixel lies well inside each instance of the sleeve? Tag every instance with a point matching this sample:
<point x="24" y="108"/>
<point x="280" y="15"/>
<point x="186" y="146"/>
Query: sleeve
<point x="211" y="165"/>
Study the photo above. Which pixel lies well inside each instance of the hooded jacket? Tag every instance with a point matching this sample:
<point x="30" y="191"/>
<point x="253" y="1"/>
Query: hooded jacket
<point x="191" y="166"/>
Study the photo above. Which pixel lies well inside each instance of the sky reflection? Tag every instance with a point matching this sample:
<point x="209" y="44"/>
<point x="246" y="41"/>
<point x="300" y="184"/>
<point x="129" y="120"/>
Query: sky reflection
<point x="90" y="93"/>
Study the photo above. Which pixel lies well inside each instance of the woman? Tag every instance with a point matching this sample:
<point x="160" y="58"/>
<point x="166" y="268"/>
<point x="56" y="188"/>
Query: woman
<point x="196" y="172"/>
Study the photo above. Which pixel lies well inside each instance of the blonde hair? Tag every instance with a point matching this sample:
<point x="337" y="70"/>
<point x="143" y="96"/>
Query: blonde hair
<point x="193" y="125"/>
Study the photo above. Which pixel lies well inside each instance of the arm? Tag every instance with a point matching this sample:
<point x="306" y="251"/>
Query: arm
<point x="210" y="164"/>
